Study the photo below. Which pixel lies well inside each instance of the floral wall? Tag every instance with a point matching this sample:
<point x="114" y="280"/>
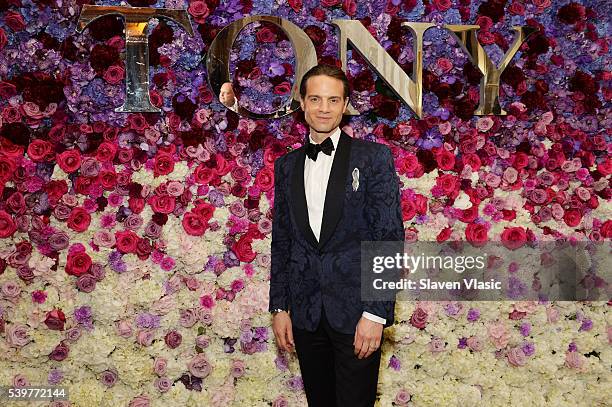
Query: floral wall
<point x="135" y="248"/>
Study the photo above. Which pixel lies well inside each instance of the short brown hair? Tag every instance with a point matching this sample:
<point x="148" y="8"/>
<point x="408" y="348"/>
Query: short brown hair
<point x="327" y="70"/>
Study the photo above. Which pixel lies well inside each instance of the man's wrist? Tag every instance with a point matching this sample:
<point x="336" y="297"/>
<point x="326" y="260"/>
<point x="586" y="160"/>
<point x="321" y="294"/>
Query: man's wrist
<point x="278" y="310"/>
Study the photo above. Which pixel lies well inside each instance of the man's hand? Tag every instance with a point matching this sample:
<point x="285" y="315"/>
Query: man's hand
<point x="368" y="335"/>
<point x="281" y="325"/>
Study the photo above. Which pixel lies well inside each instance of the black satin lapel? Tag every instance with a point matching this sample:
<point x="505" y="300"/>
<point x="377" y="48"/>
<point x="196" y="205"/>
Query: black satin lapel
<point x="298" y="199"/>
<point x="334" y="195"/>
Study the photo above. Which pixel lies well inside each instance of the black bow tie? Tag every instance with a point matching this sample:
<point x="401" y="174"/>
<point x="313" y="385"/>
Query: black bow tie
<point x="312" y="150"/>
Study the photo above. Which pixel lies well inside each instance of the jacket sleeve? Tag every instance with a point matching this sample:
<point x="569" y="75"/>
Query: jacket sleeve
<point x="384" y="217"/>
<point x="281" y="243"/>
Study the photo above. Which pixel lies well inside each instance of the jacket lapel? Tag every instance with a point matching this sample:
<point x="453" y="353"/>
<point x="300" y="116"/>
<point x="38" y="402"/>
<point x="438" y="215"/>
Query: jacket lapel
<point x="298" y="198"/>
<point x="334" y="195"/>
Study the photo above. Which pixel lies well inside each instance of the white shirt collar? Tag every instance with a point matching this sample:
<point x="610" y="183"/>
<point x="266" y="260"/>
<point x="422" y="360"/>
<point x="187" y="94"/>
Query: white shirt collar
<point x="335" y="136"/>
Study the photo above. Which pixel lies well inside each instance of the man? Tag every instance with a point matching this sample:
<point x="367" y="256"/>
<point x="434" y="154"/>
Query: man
<point x="329" y="195"/>
<point x="227" y="96"/>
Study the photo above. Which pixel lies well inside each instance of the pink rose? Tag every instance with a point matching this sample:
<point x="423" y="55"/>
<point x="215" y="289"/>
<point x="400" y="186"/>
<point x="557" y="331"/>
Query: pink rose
<point x="160" y="366"/>
<point x="124" y="329"/>
<point x="474" y="343"/>
<point x="145" y="337"/>
<point x="574" y="360"/>
<point x="498" y="334"/>
<point x="17" y="335"/>
<point x="140" y="401"/>
<point x="444" y="64"/>
<point x="516" y="357"/>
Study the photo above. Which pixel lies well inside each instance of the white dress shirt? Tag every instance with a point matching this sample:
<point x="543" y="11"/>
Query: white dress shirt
<point x="316" y="176"/>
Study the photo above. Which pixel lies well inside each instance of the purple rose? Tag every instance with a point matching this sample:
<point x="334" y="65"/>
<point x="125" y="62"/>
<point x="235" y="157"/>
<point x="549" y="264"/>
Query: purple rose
<point x="17" y="335"/>
<point x="163" y="384"/>
<point x="86" y="283"/>
<point x="173" y="339"/>
<point x="108" y="378"/>
<point x="60" y="352"/>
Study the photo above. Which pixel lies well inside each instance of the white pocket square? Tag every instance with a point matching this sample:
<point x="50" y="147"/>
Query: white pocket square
<point x="355" y="179"/>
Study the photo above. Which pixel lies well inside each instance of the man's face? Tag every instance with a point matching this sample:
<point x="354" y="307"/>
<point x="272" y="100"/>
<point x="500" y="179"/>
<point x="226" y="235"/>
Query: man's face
<point x="226" y="96"/>
<point x="323" y="104"/>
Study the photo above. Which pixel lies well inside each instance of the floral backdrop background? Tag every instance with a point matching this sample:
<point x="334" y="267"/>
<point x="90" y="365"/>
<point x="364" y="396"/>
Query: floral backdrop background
<point x="135" y="248"/>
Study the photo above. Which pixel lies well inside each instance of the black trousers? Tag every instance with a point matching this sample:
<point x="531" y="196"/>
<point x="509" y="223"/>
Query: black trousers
<point x="333" y="375"/>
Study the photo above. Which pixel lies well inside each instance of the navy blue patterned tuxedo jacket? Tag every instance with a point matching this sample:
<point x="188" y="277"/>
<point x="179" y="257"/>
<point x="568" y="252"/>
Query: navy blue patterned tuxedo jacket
<point x="307" y="275"/>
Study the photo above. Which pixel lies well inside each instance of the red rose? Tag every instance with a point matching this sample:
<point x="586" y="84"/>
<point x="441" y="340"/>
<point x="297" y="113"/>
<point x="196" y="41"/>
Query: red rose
<point x="56" y="189"/>
<point x="350" y="7"/>
<point x="408" y="210"/>
<point x="476" y="234"/>
<point x="7" y="168"/>
<point x="420" y="203"/>
<point x="571" y="13"/>
<point x="69" y="161"/>
<point x="163" y="203"/>
<point x="7" y="90"/>
<point x="108" y="179"/>
<point x="199" y="10"/>
<point x="296" y="5"/>
<point x="472" y="160"/>
<point x="385" y="107"/>
<point x="79" y="219"/>
<point x="282" y="88"/>
<point x="127" y="241"/>
<point x="606" y="229"/>
<point x="572" y="217"/>
<point x="264" y="179"/>
<point x="203" y="174"/>
<point x="193" y="224"/>
<point x="469" y="215"/>
<point x="419" y="318"/>
<point x="243" y="250"/>
<point x="329" y="3"/>
<point x="486" y="37"/>
<point x="106" y="151"/>
<point x="363" y="81"/>
<point x="316" y="34"/>
<point x="520" y="160"/>
<point x="3" y="39"/>
<point x="513" y="237"/>
<point x="265" y="34"/>
<point x="446" y="160"/>
<point x="164" y="164"/>
<point x="136" y="204"/>
<point x="114" y="74"/>
<point x="16" y="203"/>
<point x="517" y="8"/>
<point x="40" y="150"/>
<point x="7" y="225"/>
<point x="448" y="183"/>
<point x="444" y="234"/>
<point x="442" y="5"/>
<point x="14" y="21"/>
<point x="204" y="210"/>
<point x="78" y="264"/>
<point x="55" y="320"/>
